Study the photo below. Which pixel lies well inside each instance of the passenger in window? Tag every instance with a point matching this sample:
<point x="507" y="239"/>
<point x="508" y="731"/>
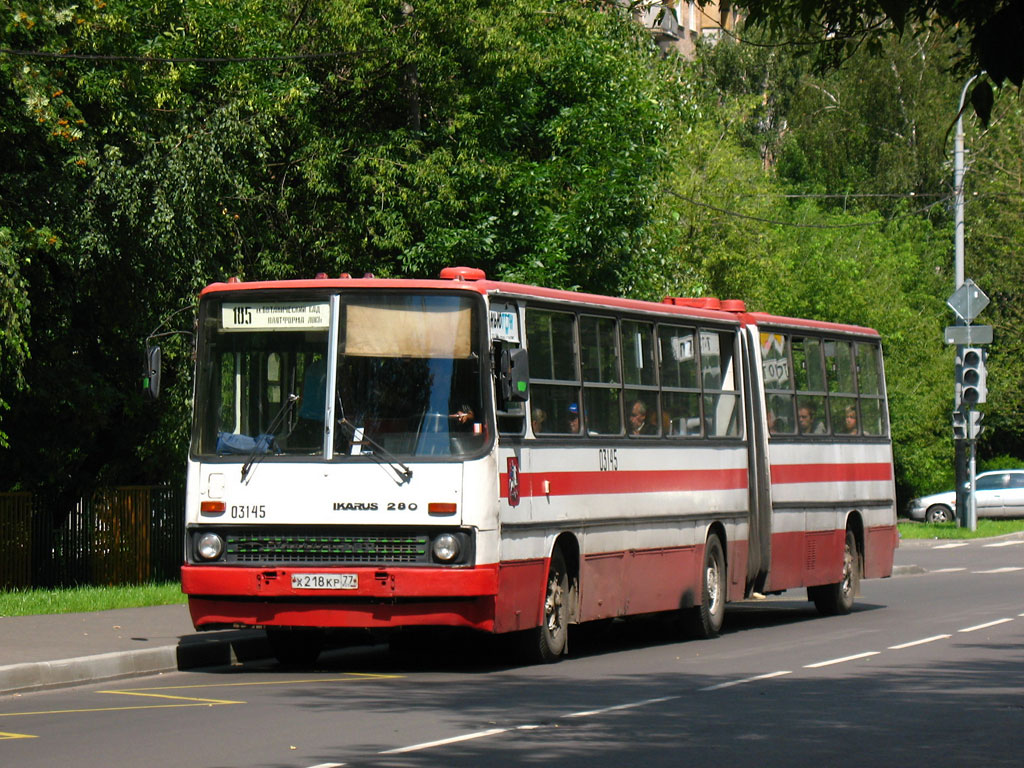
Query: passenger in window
<point x="850" y="420"/>
<point x="638" y="419"/>
<point x="539" y="417"/>
<point x="809" y="423"/>
<point x="574" y="417"/>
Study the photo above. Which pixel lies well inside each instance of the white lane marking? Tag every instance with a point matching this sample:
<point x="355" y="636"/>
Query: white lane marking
<point x="951" y="545"/>
<point x="948" y="570"/>
<point x="442" y="742"/>
<point x="922" y="641"/>
<point x="497" y="731"/>
<point x="1005" y="543"/>
<point x="616" y="708"/>
<point x="753" y="679"/>
<point x="1005" y="569"/>
<point x="843" y="659"/>
<point x="985" y="626"/>
<point x="327" y="765"/>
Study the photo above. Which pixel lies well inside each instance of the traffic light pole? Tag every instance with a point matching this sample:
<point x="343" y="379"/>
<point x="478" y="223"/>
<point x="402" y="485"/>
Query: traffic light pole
<point x="963" y="466"/>
<point x="971" y="522"/>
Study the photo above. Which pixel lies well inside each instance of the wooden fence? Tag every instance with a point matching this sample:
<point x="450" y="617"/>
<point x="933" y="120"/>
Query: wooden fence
<point x="126" y="535"/>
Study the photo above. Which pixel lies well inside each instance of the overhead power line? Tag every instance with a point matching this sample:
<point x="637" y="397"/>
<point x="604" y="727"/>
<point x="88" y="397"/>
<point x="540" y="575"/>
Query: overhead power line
<point x="174" y="59"/>
<point x="779" y="222"/>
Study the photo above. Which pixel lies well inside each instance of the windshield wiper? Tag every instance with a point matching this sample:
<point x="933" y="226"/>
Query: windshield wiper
<point x="386" y="456"/>
<point x="265" y="440"/>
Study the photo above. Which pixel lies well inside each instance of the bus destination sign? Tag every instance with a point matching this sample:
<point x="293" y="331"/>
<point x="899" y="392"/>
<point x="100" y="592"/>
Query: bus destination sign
<point x="279" y="316"/>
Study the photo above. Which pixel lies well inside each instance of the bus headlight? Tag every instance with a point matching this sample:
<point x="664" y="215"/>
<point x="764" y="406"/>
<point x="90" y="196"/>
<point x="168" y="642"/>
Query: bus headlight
<point x="446" y="547"/>
<point x="210" y="546"/>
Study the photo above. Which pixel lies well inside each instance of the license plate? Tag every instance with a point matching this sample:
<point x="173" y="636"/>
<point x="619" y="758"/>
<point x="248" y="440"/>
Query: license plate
<point x="325" y="581"/>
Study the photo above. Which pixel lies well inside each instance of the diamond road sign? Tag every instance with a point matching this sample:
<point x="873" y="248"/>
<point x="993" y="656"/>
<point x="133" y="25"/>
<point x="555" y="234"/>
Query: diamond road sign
<point x="967" y="301"/>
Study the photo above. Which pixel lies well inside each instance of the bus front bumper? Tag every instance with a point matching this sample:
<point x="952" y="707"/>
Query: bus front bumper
<point x="386" y="597"/>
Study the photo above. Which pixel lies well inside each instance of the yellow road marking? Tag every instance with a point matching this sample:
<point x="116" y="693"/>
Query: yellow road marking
<point x="350" y="677"/>
<point x="195" y="703"/>
<point x="176" y="698"/>
<point x="4" y="736"/>
<point x="188" y="701"/>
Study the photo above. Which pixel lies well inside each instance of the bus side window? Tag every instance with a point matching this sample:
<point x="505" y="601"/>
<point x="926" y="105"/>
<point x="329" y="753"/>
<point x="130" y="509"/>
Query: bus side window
<point x="554" y="372"/>
<point x="602" y="402"/>
<point x="680" y="383"/>
<point x="721" y="393"/>
<point x="640" y="376"/>
<point x="809" y="372"/>
<point x="869" y="387"/>
<point x="778" y="383"/>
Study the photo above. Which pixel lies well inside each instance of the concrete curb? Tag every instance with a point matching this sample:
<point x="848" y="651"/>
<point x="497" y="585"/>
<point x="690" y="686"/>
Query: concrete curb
<point x="191" y="652"/>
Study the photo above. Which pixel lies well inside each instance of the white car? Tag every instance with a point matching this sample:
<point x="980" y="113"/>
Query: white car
<point x="998" y="494"/>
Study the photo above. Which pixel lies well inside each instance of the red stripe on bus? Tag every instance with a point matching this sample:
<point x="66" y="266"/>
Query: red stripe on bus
<point x="830" y="473"/>
<point x="646" y="481"/>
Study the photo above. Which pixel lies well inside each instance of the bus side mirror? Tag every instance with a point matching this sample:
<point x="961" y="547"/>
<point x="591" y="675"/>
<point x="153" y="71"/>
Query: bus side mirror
<point x="151" y="376"/>
<point x="514" y="375"/>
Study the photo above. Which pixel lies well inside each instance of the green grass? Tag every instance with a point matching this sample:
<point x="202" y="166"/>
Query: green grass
<point x="27" y="602"/>
<point x="986" y="528"/>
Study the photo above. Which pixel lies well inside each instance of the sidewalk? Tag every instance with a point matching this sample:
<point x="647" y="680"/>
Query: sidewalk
<point x="57" y="650"/>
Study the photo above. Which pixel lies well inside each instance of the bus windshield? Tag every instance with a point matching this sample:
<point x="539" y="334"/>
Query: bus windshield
<point x="407" y="381"/>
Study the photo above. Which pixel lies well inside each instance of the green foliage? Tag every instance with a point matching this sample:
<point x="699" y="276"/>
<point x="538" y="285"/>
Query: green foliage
<point x="1000" y="462"/>
<point x="186" y="143"/>
<point x="986" y="33"/>
<point x="751" y="234"/>
<point x="994" y="233"/>
<point x="545" y="142"/>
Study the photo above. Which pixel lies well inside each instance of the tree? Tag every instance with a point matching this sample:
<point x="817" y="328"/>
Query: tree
<point x="157" y="146"/>
<point x="994" y="231"/>
<point x="757" y="235"/>
<point x="988" y="32"/>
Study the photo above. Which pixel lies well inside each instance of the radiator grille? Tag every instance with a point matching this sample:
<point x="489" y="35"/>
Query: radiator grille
<point x="269" y="549"/>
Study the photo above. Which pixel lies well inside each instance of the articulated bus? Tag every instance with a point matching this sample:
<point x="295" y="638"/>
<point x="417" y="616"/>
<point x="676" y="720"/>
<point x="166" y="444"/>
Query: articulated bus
<point x="387" y="454"/>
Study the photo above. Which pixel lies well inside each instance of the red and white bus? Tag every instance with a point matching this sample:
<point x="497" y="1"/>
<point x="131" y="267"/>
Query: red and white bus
<point x="385" y="454"/>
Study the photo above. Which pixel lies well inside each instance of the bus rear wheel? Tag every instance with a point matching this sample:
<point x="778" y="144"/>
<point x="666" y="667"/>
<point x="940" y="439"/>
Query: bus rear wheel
<point x="546" y="643"/>
<point x="705" y="619"/>
<point x="296" y="647"/>
<point x="837" y="599"/>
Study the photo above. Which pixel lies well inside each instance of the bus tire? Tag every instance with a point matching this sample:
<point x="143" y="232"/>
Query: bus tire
<point x="837" y="599"/>
<point x="296" y="647"/>
<point x="706" y="618"/>
<point x="549" y="641"/>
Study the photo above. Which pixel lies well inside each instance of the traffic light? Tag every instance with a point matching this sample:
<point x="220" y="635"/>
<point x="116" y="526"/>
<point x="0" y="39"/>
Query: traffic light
<point x="971" y="376"/>
<point x="959" y="425"/>
<point x="974" y="428"/>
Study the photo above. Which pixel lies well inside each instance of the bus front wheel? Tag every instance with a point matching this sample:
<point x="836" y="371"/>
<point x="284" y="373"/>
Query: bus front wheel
<point x="546" y="643"/>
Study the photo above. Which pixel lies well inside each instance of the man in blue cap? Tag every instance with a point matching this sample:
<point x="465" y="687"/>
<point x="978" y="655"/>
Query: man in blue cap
<point x="574" y="417"/>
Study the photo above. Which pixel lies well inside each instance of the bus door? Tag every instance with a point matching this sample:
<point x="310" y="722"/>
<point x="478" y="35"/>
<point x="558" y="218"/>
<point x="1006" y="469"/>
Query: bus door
<point x="760" y="530"/>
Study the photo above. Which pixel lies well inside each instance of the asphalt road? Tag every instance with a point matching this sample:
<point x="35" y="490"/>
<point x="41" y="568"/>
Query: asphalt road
<point x="927" y="671"/>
